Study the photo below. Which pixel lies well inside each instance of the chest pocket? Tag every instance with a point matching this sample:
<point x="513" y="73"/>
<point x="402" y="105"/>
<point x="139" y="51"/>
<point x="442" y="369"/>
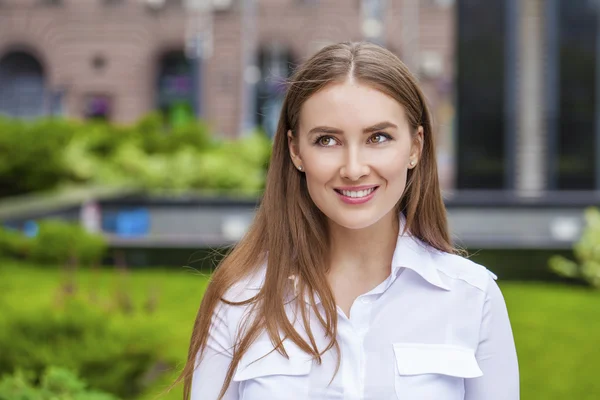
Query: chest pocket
<point x="433" y="371"/>
<point x="266" y="374"/>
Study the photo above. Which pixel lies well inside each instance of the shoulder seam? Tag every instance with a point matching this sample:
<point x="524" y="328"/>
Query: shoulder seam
<point x="462" y="278"/>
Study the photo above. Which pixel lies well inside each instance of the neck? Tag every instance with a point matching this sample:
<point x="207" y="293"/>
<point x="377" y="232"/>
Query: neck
<point x="364" y="252"/>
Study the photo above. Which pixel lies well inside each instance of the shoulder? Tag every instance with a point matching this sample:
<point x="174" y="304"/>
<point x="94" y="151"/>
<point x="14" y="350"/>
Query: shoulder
<point x="247" y="287"/>
<point x="236" y="303"/>
<point x="458" y="268"/>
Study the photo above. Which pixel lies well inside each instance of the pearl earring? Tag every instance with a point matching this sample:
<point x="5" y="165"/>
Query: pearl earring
<point x="299" y="167"/>
<point x="412" y="163"/>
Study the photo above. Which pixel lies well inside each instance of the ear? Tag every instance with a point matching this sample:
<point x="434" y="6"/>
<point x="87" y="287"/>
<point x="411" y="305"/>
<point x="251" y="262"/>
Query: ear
<point x="293" y="147"/>
<point x="417" y="146"/>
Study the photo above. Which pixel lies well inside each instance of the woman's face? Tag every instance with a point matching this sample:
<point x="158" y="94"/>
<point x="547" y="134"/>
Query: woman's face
<point x="355" y="146"/>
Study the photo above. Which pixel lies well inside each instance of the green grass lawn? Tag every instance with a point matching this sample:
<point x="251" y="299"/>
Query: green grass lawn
<point x="557" y="333"/>
<point x="556" y="327"/>
<point x="178" y="292"/>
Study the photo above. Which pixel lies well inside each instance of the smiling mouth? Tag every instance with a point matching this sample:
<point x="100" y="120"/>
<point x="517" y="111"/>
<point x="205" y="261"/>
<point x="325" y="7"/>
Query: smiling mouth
<point x="357" y="194"/>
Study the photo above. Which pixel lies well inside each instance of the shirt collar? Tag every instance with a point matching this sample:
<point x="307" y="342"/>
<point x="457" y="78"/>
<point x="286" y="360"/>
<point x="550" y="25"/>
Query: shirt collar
<point x="411" y="253"/>
<point x="414" y="254"/>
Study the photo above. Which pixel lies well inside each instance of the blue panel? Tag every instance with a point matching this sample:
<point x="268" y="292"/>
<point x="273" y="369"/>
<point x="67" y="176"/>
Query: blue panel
<point x="133" y="222"/>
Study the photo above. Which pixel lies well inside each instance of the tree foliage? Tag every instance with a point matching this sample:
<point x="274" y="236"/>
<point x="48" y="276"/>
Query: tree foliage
<point x="586" y="265"/>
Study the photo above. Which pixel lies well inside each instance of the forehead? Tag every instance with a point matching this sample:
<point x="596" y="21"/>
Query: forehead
<point x="350" y="105"/>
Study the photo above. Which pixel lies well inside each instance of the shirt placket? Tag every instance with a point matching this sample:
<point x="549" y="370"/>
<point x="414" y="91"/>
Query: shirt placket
<point x="357" y="327"/>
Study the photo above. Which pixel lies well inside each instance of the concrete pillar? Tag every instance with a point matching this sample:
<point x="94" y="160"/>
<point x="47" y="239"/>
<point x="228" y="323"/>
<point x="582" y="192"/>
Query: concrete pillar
<point x="530" y="157"/>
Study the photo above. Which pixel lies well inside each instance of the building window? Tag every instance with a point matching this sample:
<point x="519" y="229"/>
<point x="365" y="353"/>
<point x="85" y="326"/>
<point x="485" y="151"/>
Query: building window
<point x="176" y="94"/>
<point x="576" y="138"/>
<point x="22" y="86"/>
<point x="98" y="107"/>
<point x="480" y="95"/>
<point x="275" y="64"/>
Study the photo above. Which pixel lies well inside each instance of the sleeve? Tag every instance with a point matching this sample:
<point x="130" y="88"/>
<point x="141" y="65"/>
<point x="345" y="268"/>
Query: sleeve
<point x="496" y="353"/>
<point x="210" y="372"/>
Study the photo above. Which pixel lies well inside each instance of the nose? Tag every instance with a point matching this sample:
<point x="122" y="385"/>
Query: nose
<point x="354" y="166"/>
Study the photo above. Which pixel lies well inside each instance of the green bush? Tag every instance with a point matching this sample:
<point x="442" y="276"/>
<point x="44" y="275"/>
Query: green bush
<point x="13" y="244"/>
<point x="60" y="242"/>
<point x="153" y="137"/>
<point x="55" y="384"/>
<point x="113" y="353"/>
<point x="239" y="164"/>
<point x="149" y="154"/>
<point x="587" y="253"/>
<point x="255" y="148"/>
<point x="56" y="242"/>
<point x="31" y="154"/>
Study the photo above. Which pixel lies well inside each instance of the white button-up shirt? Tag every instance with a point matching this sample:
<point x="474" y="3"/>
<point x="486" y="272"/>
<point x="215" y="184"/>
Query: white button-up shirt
<point x="437" y="328"/>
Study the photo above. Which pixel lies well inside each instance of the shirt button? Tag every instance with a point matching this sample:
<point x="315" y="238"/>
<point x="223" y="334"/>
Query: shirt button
<point x="365" y="300"/>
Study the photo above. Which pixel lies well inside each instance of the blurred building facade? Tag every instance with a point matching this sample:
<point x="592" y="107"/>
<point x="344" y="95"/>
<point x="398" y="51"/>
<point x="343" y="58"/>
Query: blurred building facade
<point x="119" y="59"/>
<point x="513" y="84"/>
<point x="514" y="87"/>
<point x="528" y="96"/>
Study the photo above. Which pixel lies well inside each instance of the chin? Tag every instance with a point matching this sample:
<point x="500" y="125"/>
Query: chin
<point x="354" y="220"/>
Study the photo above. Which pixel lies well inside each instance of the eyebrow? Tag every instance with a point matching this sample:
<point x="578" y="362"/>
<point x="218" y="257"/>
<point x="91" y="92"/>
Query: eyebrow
<point x="377" y="127"/>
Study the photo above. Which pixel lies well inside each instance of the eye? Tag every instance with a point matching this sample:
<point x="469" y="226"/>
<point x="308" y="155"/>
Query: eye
<point x="379" y="138"/>
<point x="325" y="141"/>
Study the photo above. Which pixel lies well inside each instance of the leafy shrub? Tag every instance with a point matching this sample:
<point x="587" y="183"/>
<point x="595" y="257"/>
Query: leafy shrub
<point x="254" y="148"/>
<point x="60" y="242"/>
<point x="148" y="154"/>
<point x="239" y="164"/>
<point x="56" y="242"/>
<point x="56" y="383"/>
<point x="587" y="253"/>
<point x="13" y="244"/>
<point x="153" y="137"/>
<point x="151" y="156"/>
<point x="31" y="154"/>
<point x="110" y="352"/>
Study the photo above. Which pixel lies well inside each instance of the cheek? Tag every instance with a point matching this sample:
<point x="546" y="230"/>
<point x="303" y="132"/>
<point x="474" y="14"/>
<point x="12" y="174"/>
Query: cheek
<point x="395" y="174"/>
<point x="317" y="181"/>
<point x="319" y="170"/>
<point x="319" y="167"/>
<point x="392" y="165"/>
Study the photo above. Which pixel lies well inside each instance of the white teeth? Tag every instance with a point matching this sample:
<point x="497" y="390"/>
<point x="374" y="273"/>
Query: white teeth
<point x="359" y="193"/>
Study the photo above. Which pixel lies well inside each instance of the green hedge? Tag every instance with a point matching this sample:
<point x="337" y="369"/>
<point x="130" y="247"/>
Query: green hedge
<point x="55" y="384"/>
<point x="112" y="353"/>
<point x="31" y="155"/>
<point x="13" y="244"/>
<point x="56" y="242"/>
<point x="519" y="264"/>
<point x="49" y="153"/>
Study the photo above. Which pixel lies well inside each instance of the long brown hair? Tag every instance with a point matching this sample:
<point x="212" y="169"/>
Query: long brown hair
<point x="289" y="232"/>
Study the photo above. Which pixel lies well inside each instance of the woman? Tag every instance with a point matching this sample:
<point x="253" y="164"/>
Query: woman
<point x="346" y="285"/>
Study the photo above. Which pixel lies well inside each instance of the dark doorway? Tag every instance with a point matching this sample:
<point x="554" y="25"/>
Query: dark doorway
<point x="176" y="91"/>
<point x="22" y="91"/>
